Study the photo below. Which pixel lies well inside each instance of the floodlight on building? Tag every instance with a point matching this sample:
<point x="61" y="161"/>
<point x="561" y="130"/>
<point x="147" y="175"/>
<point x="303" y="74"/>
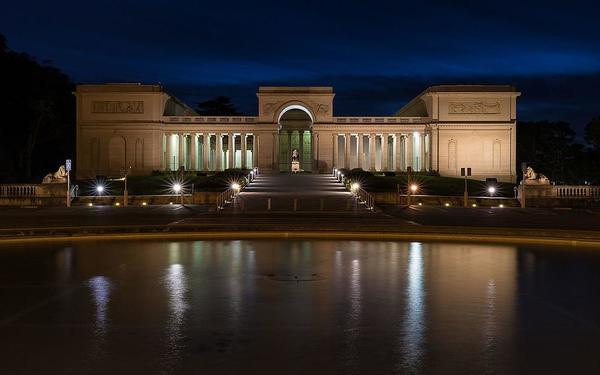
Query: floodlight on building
<point x="99" y="189"/>
<point x="414" y="188"/>
<point x="491" y="190"/>
<point x="177" y="188"/>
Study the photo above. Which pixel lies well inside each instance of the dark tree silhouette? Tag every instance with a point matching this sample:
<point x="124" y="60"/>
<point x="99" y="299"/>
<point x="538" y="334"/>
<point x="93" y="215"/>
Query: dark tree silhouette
<point x="549" y="147"/>
<point x="592" y="133"/>
<point x="218" y="106"/>
<point x="38" y="116"/>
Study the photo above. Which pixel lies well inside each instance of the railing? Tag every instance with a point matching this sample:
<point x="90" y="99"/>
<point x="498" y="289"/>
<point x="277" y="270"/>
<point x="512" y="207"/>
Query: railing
<point x="577" y="191"/>
<point x="18" y="190"/>
<point x="225" y="198"/>
<point x="364" y="198"/>
<point x="228" y="195"/>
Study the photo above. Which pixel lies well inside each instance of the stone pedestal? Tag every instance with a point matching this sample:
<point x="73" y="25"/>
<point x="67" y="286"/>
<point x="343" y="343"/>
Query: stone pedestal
<point x="295" y="167"/>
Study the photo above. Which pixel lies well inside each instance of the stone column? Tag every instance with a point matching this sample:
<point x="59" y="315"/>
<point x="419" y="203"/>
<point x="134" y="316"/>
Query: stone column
<point x="219" y="152"/>
<point x="335" y="151"/>
<point x="422" y="152"/>
<point x="194" y="151"/>
<point x="372" y="152"/>
<point x="168" y="152"/>
<point x="361" y="151"/>
<point x="181" y="141"/>
<point x="347" y="141"/>
<point x="409" y="151"/>
<point x="398" y="138"/>
<point x="255" y="150"/>
<point x="206" y="151"/>
<point x="243" y="141"/>
<point x="384" y="152"/>
<point x="230" y="149"/>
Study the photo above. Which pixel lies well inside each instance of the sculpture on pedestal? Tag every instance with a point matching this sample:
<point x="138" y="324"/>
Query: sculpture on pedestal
<point x="58" y="177"/>
<point x="295" y="161"/>
<point x="531" y="177"/>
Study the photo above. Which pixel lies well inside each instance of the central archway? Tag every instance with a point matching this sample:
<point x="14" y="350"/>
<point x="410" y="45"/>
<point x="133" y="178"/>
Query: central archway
<point x="295" y="133"/>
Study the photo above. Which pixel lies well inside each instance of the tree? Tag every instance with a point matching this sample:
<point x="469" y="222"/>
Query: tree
<point x="218" y="106"/>
<point x="592" y="133"/>
<point x="38" y="125"/>
<point x="550" y="148"/>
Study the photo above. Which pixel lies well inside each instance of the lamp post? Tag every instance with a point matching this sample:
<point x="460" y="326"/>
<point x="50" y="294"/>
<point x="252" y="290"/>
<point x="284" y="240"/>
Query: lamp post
<point x="178" y="189"/>
<point x="125" y="172"/>
<point x="466" y="172"/>
<point x="408" y="183"/>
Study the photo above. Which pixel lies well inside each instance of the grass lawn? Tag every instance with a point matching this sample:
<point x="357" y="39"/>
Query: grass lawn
<point x="433" y="185"/>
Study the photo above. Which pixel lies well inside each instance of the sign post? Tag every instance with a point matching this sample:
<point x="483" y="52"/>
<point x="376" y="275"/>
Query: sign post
<point x="68" y="169"/>
<point x="466" y="172"/>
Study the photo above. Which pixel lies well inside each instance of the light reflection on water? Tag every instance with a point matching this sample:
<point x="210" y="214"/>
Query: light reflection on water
<point x="375" y="307"/>
<point x="412" y="339"/>
<point x="176" y="284"/>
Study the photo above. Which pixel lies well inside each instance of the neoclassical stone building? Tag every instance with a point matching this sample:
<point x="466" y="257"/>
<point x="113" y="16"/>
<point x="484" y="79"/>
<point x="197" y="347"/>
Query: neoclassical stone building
<point x="443" y="129"/>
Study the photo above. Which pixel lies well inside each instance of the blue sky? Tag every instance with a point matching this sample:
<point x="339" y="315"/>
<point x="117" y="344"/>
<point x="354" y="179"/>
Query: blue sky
<point x="377" y="54"/>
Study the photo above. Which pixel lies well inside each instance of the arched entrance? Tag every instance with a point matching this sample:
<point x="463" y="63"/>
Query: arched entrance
<point x="295" y="133"/>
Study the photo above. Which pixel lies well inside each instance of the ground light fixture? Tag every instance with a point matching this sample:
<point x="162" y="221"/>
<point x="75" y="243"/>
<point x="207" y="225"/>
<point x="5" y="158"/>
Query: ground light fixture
<point x="447" y="204"/>
<point x="90" y="204"/>
<point x="235" y="186"/>
<point x="474" y="205"/>
<point x="414" y="188"/>
<point x="501" y="206"/>
<point x="491" y="190"/>
<point x="99" y="189"/>
<point x="176" y="188"/>
<point x="355" y="186"/>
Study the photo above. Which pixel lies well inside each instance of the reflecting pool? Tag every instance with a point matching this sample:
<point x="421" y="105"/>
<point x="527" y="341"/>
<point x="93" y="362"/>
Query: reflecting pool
<point x="298" y="307"/>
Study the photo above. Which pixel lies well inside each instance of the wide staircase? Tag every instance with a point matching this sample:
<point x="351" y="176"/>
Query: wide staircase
<point x="300" y="193"/>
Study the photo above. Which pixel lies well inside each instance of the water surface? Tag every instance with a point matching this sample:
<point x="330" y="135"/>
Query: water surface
<point x="296" y="307"/>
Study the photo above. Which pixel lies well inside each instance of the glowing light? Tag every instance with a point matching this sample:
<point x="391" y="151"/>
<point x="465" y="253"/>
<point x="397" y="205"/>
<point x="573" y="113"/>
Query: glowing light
<point x="355" y="186"/>
<point x="447" y="204"/>
<point x="414" y="188"/>
<point x="99" y="189"/>
<point x="235" y="186"/>
<point x="90" y="204"/>
<point x="177" y="187"/>
<point x="170" y="202"/>
<point x="491" y="189"/>
<point x="474" y="205"/>
<point x="420" y="204"/>
<point x="501" y="206"/>
<point x="117" y="204"/>
<point x="144" y="204"/>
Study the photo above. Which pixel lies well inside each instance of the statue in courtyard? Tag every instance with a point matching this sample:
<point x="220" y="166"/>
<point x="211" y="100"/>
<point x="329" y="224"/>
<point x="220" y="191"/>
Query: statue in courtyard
<point x="58" y="177"/>
<point x="531" y="177"/>
<point x="295" y="155"/>
<point x="295" y="162"/>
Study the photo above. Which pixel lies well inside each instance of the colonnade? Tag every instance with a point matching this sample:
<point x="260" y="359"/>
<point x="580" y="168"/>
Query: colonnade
<point x="209" y="151"/>
<point x="382" y="152"/>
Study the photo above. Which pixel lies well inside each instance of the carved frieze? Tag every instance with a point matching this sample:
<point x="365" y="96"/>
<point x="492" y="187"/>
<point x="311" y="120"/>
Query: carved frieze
<point x="110" y="106"/>
<point x="479" y="107"/>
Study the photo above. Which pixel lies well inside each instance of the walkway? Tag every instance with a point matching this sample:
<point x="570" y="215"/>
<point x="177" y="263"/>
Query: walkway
<point x="296" y="192"/>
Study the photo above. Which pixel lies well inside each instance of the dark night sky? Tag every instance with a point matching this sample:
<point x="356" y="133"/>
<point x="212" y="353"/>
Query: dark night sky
<point x="377" y="55"/>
